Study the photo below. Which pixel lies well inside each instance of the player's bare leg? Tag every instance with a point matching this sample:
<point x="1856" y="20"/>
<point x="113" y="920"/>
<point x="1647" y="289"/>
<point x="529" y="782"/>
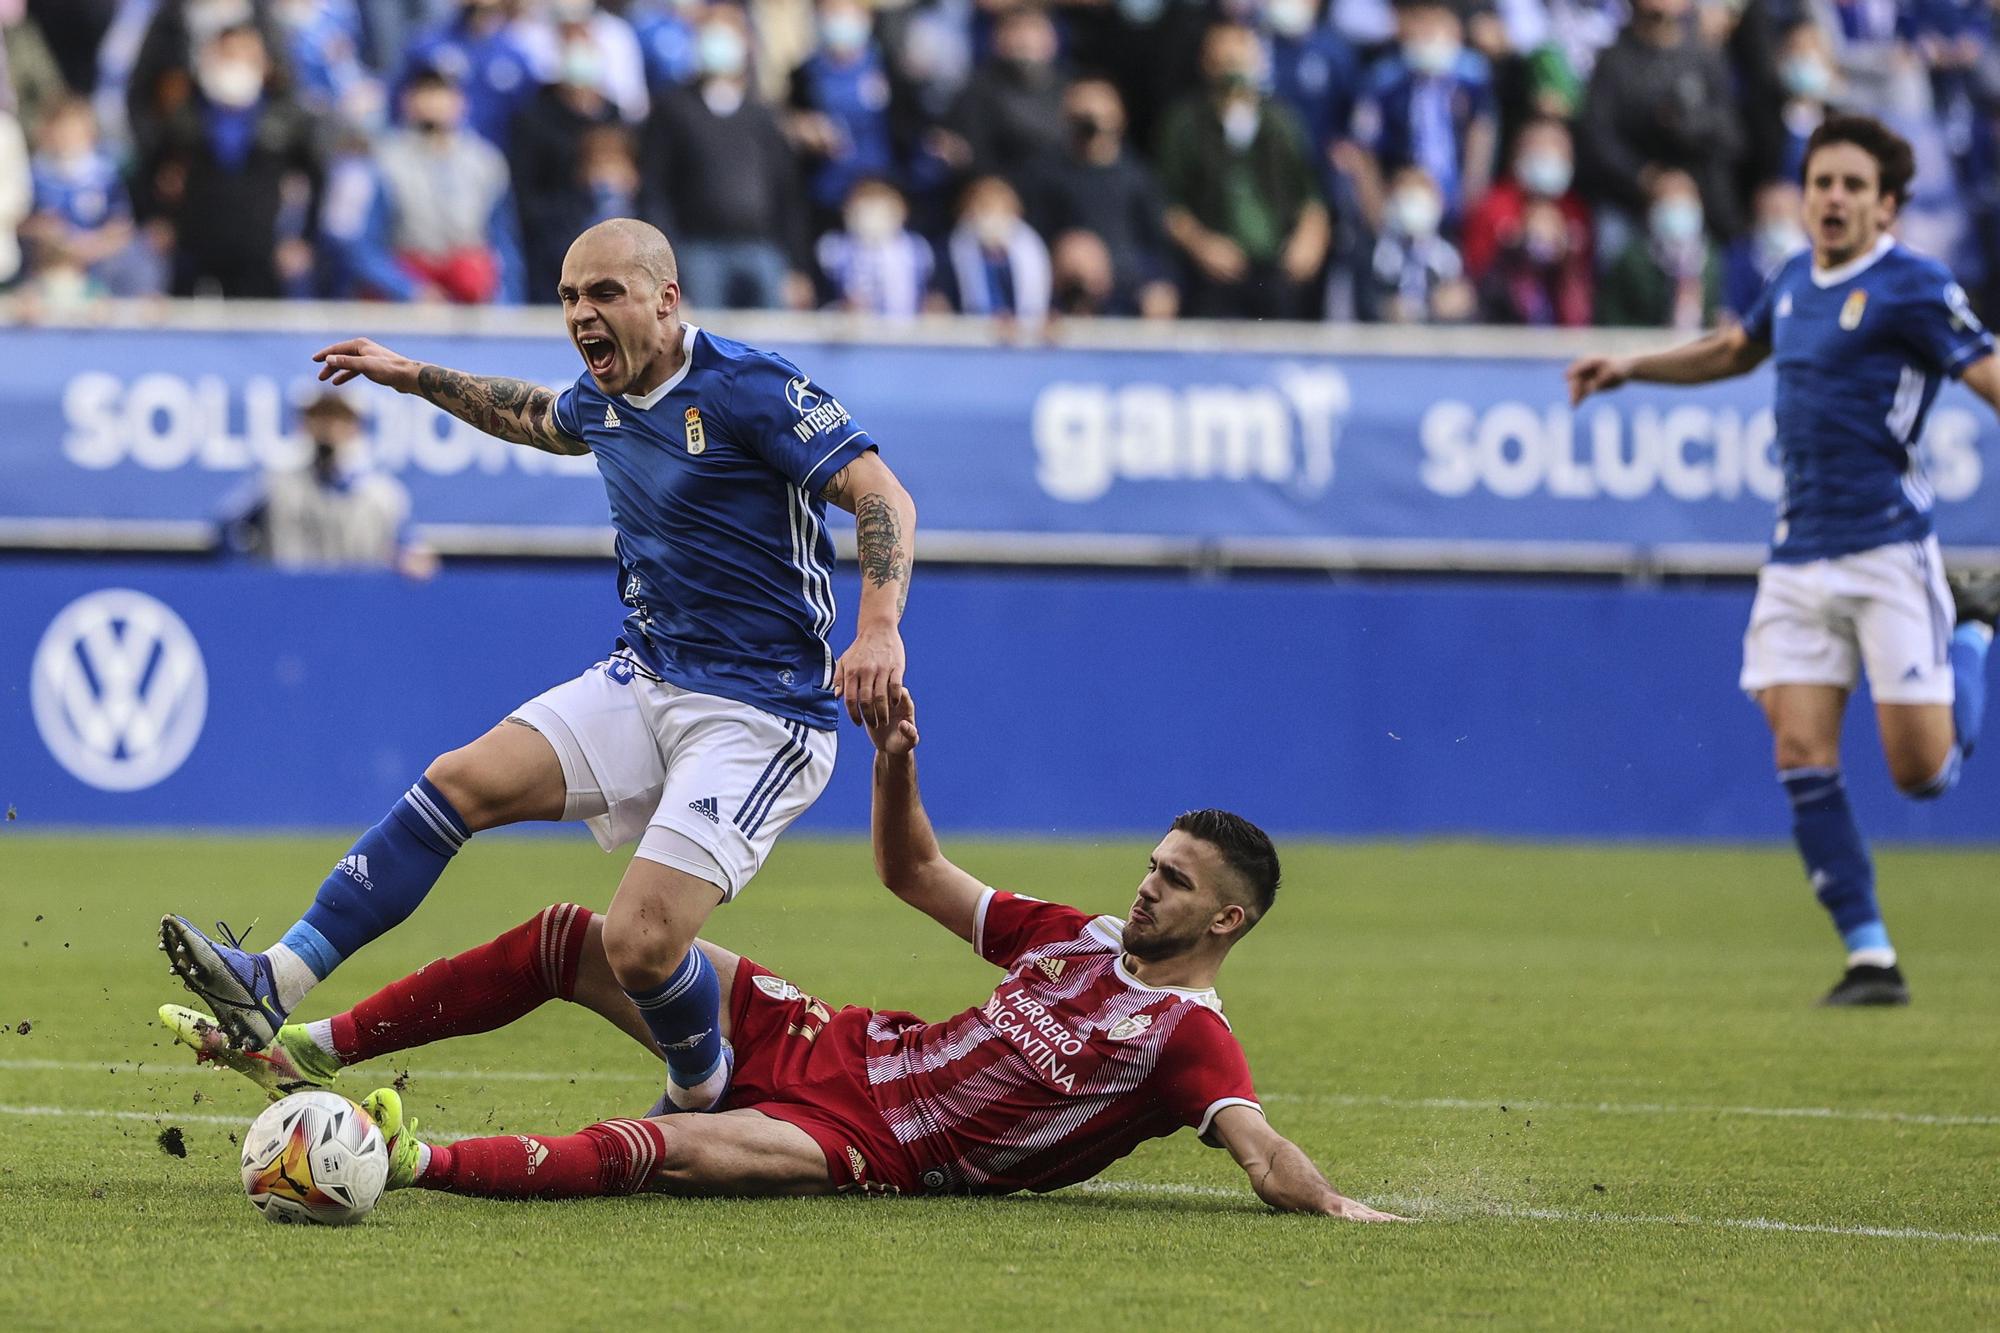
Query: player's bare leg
<point x="1805" y="725"/>
<point x="597" y="989"/>
<point x="509" y="774"/>
<point x="649" y="936"/>
<point x="1920" y="742"/>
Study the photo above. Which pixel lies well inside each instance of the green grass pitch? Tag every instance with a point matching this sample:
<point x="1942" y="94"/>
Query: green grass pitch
<point x="1593" y="1073"/>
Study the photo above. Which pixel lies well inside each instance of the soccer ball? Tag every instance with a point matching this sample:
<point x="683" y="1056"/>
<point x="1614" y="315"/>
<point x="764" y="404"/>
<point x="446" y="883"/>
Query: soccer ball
<point x="314" y="1157"/>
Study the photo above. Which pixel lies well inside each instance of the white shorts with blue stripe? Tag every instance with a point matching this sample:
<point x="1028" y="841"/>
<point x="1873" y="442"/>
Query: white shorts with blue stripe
<point x="638" y="753"/>
<point x="1886" y="609"/>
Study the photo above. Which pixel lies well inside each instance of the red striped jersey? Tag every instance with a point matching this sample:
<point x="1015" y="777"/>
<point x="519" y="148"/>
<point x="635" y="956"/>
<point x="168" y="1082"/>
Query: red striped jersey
<point x="1070" y="1065"/>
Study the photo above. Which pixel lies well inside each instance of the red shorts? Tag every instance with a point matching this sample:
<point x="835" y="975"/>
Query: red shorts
<point x="799" y="1061"/>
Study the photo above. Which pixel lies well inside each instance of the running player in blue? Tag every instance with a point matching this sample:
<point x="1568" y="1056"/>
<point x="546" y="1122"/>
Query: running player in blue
<point x="1864" y="332"/>
<point x="711" y="726"/>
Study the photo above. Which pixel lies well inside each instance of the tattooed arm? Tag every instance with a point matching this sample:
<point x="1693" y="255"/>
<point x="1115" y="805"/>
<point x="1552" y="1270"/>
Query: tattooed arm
<point x="510" y="409"/>
<point x="869" y="675"/>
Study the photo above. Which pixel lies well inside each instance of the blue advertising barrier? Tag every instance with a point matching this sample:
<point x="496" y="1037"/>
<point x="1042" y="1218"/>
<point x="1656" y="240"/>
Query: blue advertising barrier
<point x="1273" y="447"/>
<point x="183" y="695"/>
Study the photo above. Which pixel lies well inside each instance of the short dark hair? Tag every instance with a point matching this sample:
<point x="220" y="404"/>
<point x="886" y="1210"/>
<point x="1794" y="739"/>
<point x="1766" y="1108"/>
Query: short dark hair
<point x="1894" y="162"/>
<point x="1245" y="848"/>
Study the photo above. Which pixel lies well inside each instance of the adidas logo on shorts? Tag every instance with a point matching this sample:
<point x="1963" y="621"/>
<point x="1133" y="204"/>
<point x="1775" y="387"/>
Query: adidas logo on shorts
<point x="705" y="807"/>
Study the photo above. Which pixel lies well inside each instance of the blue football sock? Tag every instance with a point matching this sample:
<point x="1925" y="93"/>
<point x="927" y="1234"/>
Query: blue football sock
<point x="1969" y="644"/>
<point x="1837" y="860"/>
<point x="381" y="881"/>
<point x="684" y="1013"/>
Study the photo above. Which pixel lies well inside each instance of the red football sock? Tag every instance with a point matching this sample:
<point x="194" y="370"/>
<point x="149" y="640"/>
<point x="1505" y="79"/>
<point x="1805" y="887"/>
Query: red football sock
<point x="477" y="991"/>
<point x="616" y="1157"/>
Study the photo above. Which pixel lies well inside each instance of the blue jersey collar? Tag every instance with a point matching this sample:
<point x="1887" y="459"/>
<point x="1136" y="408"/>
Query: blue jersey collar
<point x="1853" y="268"/>
<point x="673" y="381"/>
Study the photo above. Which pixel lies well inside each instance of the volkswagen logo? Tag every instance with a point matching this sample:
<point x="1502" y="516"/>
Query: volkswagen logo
<point x="119" y="690"/>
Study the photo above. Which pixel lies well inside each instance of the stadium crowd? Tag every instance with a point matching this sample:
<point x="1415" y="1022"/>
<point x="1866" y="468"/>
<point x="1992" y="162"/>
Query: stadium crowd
<point x="1539" y="162"/>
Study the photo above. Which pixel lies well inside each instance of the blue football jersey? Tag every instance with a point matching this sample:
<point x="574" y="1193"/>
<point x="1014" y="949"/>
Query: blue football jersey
<point x="1860" y="352"/>
<point x="723" y="555"/>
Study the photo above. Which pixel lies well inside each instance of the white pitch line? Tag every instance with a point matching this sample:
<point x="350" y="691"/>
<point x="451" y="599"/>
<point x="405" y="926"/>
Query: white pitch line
<point x="164" y="1117"/>
<point x="1446" y="1211"/>
<point x="177" y="1070"/>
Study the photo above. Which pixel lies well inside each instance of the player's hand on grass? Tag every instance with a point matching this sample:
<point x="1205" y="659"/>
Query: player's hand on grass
<point x="1595" y="374"/>
<point x="869" y="674"/>
<point x="371" y="361"/>
<point x="897" y="732"/>
<point x="1353" y="1210"/>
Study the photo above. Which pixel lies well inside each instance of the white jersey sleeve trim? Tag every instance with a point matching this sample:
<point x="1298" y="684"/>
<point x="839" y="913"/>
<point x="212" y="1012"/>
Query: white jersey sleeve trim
<point x="1977" y="347"/>
<point x="979" y="922"/>
<point x="813" y="471"/>
<point x="1217" y="1107"/>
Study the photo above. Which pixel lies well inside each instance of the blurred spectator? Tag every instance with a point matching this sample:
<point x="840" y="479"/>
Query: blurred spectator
<point x="562" y="30"/>
<point x="1419" y="277"/>
<point x="81" y="234"/>
<point x="874" y="264"/>
<point x="1313" y="70"/>
<point x="1101" y="211"/>
<point x="37" y="79"/>
<point x="665" y="29"/>
<point x="721" y="180"/>
<point x="1659" y="98"/>
<point x="477" y="50"/>
<point x="1430" y="104"/>
<point x="1011" y="112"/>
<point x="1667" y="276"/>
<point x="1544" y="168"/>
<point x="1243" y="200"/>
<point x="1806" y="73"/>
<point x="324" y="42"/>
<point x="545" y="148"/>
<point x="997" y="265"/>
<point x="1775" y="235"/>
<point x="610" y="171"/>
<point x="445" y="229"/>
<point x="1558" y="69"/>
<point x="1541" y="274"/>
<point x="334" y="510"/>
<point x="16" y="193"/>
<point x="840" y="107"/>
<point x="163" y="81"/>
<point x="222" y="168"/>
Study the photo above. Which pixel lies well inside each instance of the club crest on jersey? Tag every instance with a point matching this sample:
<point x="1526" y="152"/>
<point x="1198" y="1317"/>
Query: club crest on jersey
<point x="1850" y="314"/>
<point x="777" y="987"/>
<point x="1127" y="1028"/>
<point x="1052" y="968"/>
<point x="697" y="438"/>
<point x="610" y="415"/>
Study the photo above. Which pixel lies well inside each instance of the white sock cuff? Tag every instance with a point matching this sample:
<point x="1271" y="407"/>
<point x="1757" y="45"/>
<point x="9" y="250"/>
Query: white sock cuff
<point x="321" y="1032"/>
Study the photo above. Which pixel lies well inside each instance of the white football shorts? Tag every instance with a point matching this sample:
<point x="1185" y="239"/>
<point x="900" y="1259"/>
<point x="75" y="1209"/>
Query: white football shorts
<point x="1886" y="609"/>
<point x="639" y="753"/>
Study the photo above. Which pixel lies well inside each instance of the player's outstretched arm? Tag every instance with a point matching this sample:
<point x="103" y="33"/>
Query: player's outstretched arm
<point x="1983" y="378"/>
<point x="1721" y="355"/>
<point x="907" y="857"/>
<point x="513" y="410"/>
<point x="1280" y="1171"/>
<point x="869" y="673"/>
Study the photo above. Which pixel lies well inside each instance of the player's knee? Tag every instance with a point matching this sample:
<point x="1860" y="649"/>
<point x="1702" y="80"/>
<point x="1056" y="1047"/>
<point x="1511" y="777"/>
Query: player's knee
<point x="1924" y="775"/>
<point x="1801" y="749"/>
<point x="641" y="955"/>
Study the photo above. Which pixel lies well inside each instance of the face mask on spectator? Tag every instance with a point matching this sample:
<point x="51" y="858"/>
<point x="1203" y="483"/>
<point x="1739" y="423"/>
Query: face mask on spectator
<point x="582" y="67"/>
<point x="1239" y="124"/>
<point x="1084" y="129"/>
<point x="873" y="219"/>
<point x="1432" y="55"/>
<point x="844" y="33"/>
<point x="1676" y="221"/>
<point x="1546" y="175"/>
<point x="1778" y="241"/>
<point x="994" y="227"/>
<point x="1805" y="76"/>
<point x="228" y="82"/>
<point x="722" y="50"/>
<point x="1415" y="213"/>
<point x="1289" y="18"/>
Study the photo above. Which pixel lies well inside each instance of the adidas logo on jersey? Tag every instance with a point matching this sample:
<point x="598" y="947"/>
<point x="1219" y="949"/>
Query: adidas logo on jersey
<point x="356" y="869"/>
<point x="1052" y="968"/>
<point x="705" y="807"/>
<point x="610" y="415"/>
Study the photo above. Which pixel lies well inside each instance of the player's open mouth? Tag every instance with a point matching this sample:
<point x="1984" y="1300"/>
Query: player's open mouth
<point x="599" y="353"/>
